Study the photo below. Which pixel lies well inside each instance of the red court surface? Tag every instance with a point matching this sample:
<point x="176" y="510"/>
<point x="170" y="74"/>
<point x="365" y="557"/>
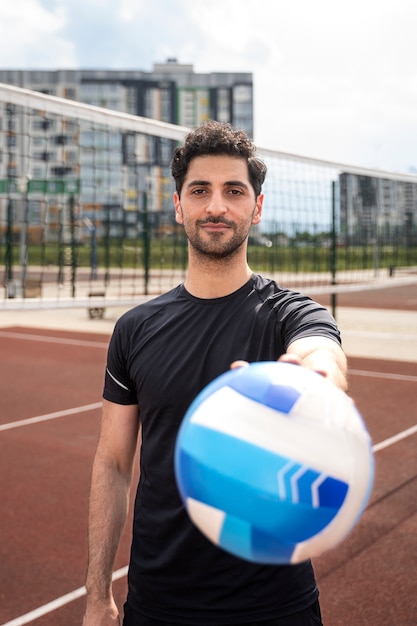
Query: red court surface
<point x="45" y="469"/>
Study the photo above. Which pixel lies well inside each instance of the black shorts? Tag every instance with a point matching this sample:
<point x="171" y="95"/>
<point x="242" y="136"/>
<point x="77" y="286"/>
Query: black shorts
<point x="311" y="616"/>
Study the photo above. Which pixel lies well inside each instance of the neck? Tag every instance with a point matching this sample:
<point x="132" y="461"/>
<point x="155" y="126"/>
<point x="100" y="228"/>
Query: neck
<point x="215" y="278"/>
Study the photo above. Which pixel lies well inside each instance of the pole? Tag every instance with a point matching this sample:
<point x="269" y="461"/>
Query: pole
<point x="9" y="250"/>
<point x="333" y="251"/>
<point x="94" y="254"/>
<point x="146" y="242"/>
<point x="107" y="254"/>
<point x="73" y="243"/>
<point x="61" y="248"/>
<point x="24" y="232"/>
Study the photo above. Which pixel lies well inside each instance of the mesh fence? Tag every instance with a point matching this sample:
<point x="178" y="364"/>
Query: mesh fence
<point x="86" y="215"/>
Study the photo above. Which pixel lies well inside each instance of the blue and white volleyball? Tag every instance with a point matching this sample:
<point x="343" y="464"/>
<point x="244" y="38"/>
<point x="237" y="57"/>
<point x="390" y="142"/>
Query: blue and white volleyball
<point x="274" y="463"/>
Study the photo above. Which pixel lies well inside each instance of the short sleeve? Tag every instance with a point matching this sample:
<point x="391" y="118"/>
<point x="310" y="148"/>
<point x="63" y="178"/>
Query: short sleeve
<point x="118" y="387"/>
<point x="302" y="317"/>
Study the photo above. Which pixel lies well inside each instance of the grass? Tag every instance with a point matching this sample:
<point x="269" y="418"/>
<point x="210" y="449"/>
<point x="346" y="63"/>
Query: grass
<point x="167" y="254"/>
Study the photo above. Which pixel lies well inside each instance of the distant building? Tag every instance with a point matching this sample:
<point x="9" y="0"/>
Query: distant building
<point x="58" y="154"/>
<point x="376" y="210"/>
<point x="172" y="92"/>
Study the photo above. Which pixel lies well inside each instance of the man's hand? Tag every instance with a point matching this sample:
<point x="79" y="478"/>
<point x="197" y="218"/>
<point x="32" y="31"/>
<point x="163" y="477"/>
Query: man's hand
<point x="320" y="354"/>
<point x="104" y="613"/>
<point x="290" y="358"/>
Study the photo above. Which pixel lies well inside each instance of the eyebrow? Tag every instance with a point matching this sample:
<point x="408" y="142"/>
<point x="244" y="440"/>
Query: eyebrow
<point x="227" y="183"/>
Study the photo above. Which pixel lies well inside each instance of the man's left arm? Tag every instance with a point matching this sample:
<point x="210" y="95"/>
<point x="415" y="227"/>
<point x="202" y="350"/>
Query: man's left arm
<point x="321" y="354"/>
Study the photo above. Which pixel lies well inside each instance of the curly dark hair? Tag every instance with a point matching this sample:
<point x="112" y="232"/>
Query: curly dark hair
<point x="211" y="138"/>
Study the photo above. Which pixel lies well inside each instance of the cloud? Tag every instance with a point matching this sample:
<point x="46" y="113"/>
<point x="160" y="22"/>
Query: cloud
<point x="332" y="80"/>
<point x="118" y="35"/>
<point x="30" y="33"/>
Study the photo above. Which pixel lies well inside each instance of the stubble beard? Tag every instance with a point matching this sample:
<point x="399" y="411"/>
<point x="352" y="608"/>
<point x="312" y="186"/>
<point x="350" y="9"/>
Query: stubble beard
<point x="216" y="246"/>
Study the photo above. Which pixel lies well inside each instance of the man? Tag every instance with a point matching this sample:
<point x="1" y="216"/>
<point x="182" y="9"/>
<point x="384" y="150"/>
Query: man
<point x="161" y="355"/>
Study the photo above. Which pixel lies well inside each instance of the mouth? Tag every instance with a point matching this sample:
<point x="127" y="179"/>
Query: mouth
<point x="215" y="226"/>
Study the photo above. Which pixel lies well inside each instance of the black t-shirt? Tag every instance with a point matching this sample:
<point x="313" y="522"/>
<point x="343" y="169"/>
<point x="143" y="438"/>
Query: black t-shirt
<point x="161" y="355"/>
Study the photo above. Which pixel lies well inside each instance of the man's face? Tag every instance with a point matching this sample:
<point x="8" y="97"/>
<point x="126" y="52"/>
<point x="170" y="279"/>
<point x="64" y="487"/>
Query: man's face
<point x="217" y="205"/>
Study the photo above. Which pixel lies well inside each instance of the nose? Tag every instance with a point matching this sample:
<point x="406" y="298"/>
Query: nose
<point x="216" y="204"/>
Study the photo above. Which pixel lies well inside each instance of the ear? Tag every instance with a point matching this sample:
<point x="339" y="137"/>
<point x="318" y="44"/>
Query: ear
<point x="257" y="214"/>
<point x="178" y="211"/>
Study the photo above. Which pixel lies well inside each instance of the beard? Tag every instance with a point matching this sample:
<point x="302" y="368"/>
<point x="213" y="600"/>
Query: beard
<point x="216" y="246"/>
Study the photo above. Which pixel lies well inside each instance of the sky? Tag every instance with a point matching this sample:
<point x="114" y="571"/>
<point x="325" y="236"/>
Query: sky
<point x="332" y="80"/>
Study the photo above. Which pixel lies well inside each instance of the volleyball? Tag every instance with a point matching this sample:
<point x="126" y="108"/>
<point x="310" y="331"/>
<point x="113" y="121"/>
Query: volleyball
<point x="273" y="463"/>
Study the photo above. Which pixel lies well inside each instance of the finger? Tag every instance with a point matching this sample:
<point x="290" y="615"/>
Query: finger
<point x="290" y="358"/>
<point x="237" y="364"/>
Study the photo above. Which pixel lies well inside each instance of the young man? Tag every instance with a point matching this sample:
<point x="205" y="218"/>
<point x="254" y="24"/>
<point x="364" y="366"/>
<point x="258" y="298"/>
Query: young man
<point x="161" y="355"/>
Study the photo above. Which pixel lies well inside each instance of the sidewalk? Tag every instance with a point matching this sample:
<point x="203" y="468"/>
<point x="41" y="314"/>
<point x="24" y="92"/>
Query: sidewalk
<point x="379" y="333"/>
<point x="371" y="333"/>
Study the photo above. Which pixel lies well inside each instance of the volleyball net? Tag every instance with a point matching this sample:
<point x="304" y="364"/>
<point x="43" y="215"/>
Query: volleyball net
<point x="86" y="213"/>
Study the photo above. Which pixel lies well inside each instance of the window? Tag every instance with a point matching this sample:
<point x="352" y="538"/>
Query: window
<point x="70" y="93"/>
<point x="223" y="105"/>
<point x="11" y="141"/>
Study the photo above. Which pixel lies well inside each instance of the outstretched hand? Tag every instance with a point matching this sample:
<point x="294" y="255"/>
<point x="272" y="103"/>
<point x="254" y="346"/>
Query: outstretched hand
<point x="284" y="358"/>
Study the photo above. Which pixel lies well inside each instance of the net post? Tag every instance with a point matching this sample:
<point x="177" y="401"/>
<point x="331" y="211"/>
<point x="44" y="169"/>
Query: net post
<point x="73" y="244"/>
<point x="9" y="250"/>
<point x="146" y="242"/>
<point x="107" y="252"/>
<point x="333" y="251"/>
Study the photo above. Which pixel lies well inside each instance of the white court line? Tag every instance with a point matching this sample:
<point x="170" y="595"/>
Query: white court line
<point x="46" y="339"/>
<point x="387" y="375"/>
<point x="97" y="405"/>
<point x="395" y="438"/>
<point x="56" y="604"/>
<point x="120" y="573"/>
<point x="80" y="592"/>
<point x="50" y="416"/>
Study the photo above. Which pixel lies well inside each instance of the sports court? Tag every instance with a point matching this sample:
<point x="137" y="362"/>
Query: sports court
<point x="52" y="370"/>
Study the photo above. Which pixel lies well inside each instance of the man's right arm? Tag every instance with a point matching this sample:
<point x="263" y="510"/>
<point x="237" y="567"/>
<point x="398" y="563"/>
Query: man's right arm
<point x="109" y="502"/>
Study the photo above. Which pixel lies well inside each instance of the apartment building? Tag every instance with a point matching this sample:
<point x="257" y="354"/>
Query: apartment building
<point x="376" y="210"/>
<point x="50" y="155"/>
<point x="172" y="92"/>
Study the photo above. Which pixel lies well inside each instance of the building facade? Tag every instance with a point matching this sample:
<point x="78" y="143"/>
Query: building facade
<point x="50" y="154"/>
<point x="376" y="210"/>
<point x="172" y="92"/>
